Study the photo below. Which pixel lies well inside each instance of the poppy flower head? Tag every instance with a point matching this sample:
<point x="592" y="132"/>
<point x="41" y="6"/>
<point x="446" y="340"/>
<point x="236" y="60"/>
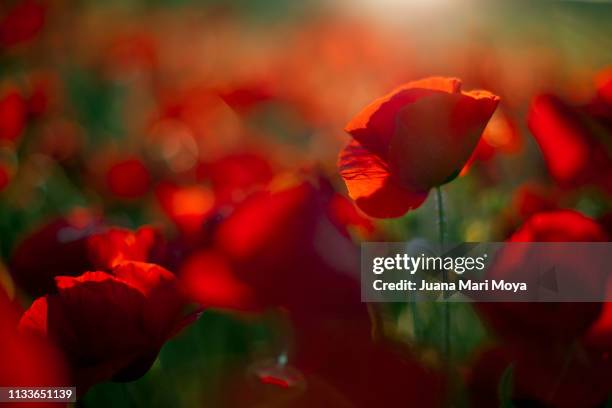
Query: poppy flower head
<point x="26" y="360"/>
<point x="526" y="323"/>
<point x="109" y="326"/>
<point x="128" y="179"/>
<point x="60" y="246"/>
<point x="417" y="137"/>
<point x="109" y="248"/>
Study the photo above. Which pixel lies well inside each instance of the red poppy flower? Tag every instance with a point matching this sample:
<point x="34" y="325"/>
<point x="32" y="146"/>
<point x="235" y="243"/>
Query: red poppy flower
<point x="207" y="278"/>
<point x="22" y="23"/>
<point x="58" y="247"/>
<point x="77" y="243"/>
<point x="235" y="176"/>
<point x="187" y="207"/>
<point x="574" y="153"/>
<point x="26" y="360"/>
<point x="417" y="137"/>
<point x="284" y="245"/>
<point x="115" y="245"/>
<point x="13" y="112"/>
<point x="109" y="326"/>
<point x="128" y="178"/>
<point x="275" y="250"/>
<point x="545" y="323"/>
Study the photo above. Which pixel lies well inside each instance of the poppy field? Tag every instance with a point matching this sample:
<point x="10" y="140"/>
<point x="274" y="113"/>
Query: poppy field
<point x="185" y="186"/>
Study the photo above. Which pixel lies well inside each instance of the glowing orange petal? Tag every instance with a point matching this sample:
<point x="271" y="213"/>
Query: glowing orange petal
<point x="370" y="185"/>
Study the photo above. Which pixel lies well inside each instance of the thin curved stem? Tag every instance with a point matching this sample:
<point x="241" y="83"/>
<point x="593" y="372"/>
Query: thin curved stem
<point x="446" y="307"/>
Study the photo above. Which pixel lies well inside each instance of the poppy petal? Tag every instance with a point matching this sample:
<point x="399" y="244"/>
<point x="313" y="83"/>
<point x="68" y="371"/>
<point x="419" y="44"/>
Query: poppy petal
<point x="375" y="124"/>
<point x="371" y="186"/>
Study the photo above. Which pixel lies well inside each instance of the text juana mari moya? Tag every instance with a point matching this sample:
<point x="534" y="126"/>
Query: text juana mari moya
<point x="411" y="264"/>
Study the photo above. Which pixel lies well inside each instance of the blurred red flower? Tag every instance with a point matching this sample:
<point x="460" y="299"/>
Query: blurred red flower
<point x="22" y="22"/>
<point x="115" y="245"/>
<point x="58" y="247"/>
<point x="544" y="341"/>
<point x="236" y="176"/>
<point x="573" y="147"/>
<point x="109" y="326"/>
<point x="276" y="249"/>
<point x="26" y="360"/>
<point x="128" y="178"/>
<point x="559" y="226"/>
<point x="207" y="278"/>
<point x="187" y="207"/>
<point x="13" y="111"/>
<point x="530" y="323"/>
<point x="71" y="245"/>
<point x="417" y="137"/>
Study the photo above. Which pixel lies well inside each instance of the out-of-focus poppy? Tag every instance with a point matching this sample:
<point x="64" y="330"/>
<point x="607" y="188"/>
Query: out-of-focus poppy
<point x="207" y="278"/>
<point x="549" y="322"/>
<point x="13" y="113"/>
<point x="235" y="176"/>
<point x="115" y="245"/>
<point x="187" y="207"/>
<point x="61" y="249"/>
<point x="417" y="137"/>
<point x="109" y="326"/>
<point x="279" y="249"/>
<point x="284" y="245"/>
<point x="560" y="226"/>
<point x="574" y="152"/>
<point x="71" y="245"/>
<point x="26" y="360"/>
<point x="22" y="22"/>
<point x="128" y="178"/>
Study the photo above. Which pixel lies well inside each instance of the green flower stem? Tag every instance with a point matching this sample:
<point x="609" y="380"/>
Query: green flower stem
<point x="446" y="306"/>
